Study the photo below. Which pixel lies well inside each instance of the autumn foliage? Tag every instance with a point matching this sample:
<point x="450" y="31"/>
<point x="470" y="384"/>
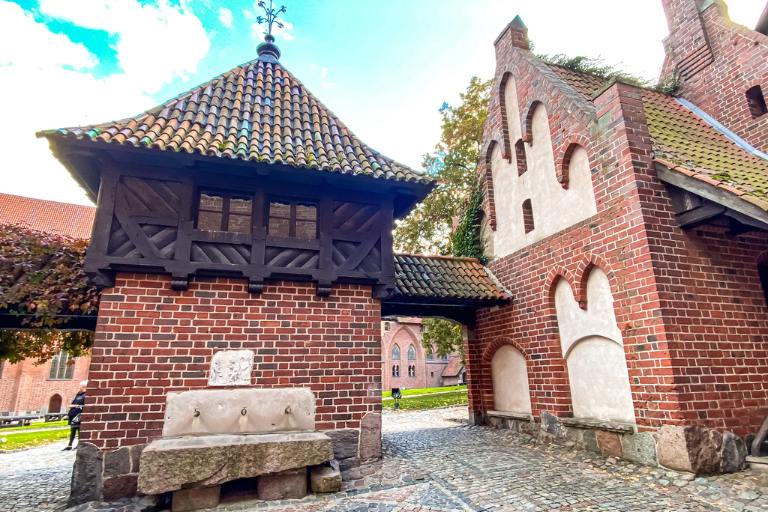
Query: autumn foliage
<point x="43" y="287"/>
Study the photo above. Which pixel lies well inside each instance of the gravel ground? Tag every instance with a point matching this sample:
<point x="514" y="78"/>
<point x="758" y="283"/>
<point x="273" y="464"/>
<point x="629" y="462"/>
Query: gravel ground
<point x="434" y="461"/>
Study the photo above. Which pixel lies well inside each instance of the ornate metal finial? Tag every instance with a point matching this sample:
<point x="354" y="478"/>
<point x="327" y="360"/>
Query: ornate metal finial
<point x="268" y="51"/>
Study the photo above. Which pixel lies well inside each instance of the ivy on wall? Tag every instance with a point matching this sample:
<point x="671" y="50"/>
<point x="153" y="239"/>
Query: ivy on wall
<point x="43" y="284"/>
<point x="466" y="239"/>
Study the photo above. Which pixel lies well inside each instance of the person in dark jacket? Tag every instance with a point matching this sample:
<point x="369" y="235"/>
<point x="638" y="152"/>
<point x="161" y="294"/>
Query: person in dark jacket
<point x="73" y="416"/>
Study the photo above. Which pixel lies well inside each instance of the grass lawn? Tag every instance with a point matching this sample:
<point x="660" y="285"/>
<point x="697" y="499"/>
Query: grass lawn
<point x="430" y="401"/>
<point x="34" y="426"/>
<point x="425" y="391"/>
<point x="20" y="439"/>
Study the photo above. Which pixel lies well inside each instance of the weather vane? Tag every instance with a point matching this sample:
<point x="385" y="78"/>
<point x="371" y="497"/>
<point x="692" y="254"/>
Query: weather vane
<point x="271" y="17"/>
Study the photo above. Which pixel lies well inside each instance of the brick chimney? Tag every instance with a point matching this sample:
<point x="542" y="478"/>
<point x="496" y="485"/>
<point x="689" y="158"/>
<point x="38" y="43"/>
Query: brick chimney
<point x="722" y="67"/>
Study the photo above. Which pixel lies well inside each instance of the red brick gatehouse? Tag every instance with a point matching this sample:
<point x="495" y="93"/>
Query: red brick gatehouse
<point x="630" y="227"/>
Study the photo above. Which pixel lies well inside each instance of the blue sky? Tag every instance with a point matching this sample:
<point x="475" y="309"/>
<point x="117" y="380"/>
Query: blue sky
<point x="384" y="67"/>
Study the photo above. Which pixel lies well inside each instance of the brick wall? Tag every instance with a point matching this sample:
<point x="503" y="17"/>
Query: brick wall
<point x="151" y="340"/>
<point x="738" y="59"/>
<point x="26" y="386"/>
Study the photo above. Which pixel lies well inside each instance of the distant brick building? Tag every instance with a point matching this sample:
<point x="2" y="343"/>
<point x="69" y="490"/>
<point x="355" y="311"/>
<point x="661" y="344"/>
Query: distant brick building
<point x="407" y="365"/>
<point x="48" y="387"/>
<point x="631" y="228"/>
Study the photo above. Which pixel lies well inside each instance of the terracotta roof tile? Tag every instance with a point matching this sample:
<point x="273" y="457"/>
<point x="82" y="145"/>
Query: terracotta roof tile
<point x="72" y="220"/>
<point x="255" y="112"/>
<point x="685" y="143"/>
<point x="443" y="277"/>
<point x="585" y="84"/>
<point x="453" y="368"/>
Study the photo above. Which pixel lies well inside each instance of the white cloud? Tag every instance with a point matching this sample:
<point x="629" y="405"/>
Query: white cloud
<point x="323" y="71"/>
<point x="47" y="80"/>
<point x="284" y="32"/>
<point x="225" y="17"/>
<point x="156" y="42"/>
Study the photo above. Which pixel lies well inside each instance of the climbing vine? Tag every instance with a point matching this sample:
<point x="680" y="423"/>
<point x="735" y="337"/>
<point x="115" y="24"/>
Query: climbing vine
<point x="467" y="239"/>
<point x="42" y="282"/>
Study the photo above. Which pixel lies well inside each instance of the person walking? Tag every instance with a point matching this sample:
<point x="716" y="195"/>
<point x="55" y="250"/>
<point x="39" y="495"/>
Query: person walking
<point x="73" y="416"/>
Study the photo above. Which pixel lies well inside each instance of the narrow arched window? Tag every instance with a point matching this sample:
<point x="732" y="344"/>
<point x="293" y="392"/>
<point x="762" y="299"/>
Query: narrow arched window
<point x="522" y="164"/>
<point x="411" y="353"/>
<point x="396" y="353"/>
<point x="756" y="101"/>
<point x="527" y="216"/>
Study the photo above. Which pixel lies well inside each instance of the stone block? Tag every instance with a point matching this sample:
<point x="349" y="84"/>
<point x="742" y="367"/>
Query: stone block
<point x="136" y="456"/>
<point x="552" y="426"/>
<point x="609" y="444"/>
<point x="672" y="449"/>
<point x="695" y="449"/>
<point x="734" y="453"/>
<point x="325" y="479"/>
<point x="117" y="462"/>
<point x="290" y="484"/>
<point x="345" y="442"/>
<point x="195" y="499"/>
<point x="370" y="436"/>
<point x="86" y="474"/>
<point x="123" y="486"/>
<point x="171" y="464"/>
<point x="640" y="448"/>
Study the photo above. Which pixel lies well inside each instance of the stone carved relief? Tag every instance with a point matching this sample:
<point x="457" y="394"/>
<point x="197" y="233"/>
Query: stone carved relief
<point x="231" y="368"/>
<point x="593" y="348"/>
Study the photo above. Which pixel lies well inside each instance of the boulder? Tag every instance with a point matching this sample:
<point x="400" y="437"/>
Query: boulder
<point x="695" y="449"/>
<point x="285" y="485"/>
<point x="86" y="474"/>
<point x="639" y="447"/>
<point x="325" y="479"/>
<point x="609" y="444"/>
<point x="171" y="464"/>
<point x="734" y="453"/>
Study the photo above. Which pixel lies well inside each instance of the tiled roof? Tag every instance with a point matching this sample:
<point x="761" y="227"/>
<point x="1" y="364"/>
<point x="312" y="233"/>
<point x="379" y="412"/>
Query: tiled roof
<point x="683" y="142"/>
<point x="255" y="112"/>
<point x="585" y="84"/>
<point x="66" y="219"/>
<point x="444" y="277"/>
<point x="453" y="368"/>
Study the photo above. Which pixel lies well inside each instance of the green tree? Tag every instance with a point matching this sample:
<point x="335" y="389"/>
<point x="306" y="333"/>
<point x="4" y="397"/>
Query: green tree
<point x="443" y="336"/>
<point x="43" y="283"/>
<point x="453" y="164"/>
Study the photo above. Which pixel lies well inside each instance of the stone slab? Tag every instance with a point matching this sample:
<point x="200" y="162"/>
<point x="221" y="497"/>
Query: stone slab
<point x="609" y="443"/>
<point x="370" y="436"/>
<point x="325" y="479"/>
<point x="195" y="499"/>
<point x="285" y="485"/>
<point x="171" y="464"/>
<point x="86" y="474"/>
<point x="640" y="448"/>
<point x="228" y="411"/>
<point x="117" y="462"/>
<point x="345" y="442"/>
<point x="231" y="368"/>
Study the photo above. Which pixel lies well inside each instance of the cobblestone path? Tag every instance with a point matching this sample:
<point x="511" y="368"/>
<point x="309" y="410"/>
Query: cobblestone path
<point x="35" y="479"/>
<point x="434" y="461"/>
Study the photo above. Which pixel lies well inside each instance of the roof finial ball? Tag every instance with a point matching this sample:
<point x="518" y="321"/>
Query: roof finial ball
<point x="268" y="51"/>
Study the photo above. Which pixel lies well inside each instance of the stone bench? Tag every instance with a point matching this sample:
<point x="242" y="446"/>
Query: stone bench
<point x="211" y="437"/>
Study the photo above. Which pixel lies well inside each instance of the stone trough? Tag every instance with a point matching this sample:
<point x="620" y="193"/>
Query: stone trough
<point x="211" y="437"/>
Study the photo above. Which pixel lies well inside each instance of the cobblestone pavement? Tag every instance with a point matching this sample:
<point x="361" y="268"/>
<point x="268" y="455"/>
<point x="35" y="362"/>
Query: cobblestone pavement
<point x="434" y="461"/>
<point x="35" y="479"/>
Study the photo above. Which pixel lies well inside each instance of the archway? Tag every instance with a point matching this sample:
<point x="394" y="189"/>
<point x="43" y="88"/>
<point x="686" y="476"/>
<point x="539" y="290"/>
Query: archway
<point x="54" y="404"/>
<point x="510" y="381"/>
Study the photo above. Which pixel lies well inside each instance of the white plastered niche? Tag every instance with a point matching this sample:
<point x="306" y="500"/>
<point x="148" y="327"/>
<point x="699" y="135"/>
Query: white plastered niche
<point x="511" y="392"/>
<point x="554" y="208"/>
<point x="593" y="348"/>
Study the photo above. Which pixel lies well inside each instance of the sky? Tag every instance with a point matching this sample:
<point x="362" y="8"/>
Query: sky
<point x="383" y="66"/>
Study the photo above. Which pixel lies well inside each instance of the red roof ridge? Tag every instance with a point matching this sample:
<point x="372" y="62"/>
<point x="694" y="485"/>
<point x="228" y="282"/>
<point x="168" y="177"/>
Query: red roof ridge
<point x="438" y="256"/>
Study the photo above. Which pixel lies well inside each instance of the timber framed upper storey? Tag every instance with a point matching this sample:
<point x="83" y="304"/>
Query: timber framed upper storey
<point x="246" y="175"/>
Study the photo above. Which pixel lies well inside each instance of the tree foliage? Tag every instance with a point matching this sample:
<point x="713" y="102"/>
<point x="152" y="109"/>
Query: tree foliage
<point x="452" y="163"/>
<point x="43" y="282"/>
<point x="443" y="336"/>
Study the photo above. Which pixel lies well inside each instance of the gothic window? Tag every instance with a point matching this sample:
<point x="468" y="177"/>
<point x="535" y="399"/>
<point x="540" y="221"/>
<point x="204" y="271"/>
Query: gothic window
<point x="292" y="220"/>
<point x="395" y="370"/>
<point x="61" y="369"/>
<point x="527" y="216"/>
<point x="224" y="211"/>
<point x="411" y="370"/>
<point x="386" y="326"/>
<point x="522" y="164"/>
<point x="756" y="101"/>
<point x="411" y="353"/>
<point x="396" y="353"/>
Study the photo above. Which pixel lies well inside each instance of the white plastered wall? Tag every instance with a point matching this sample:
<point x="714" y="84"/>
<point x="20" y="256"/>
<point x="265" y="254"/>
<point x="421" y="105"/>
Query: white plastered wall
<point x="554" y="208"/>
<point x="510" y="381"/>
<point x="593" y="348"/>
